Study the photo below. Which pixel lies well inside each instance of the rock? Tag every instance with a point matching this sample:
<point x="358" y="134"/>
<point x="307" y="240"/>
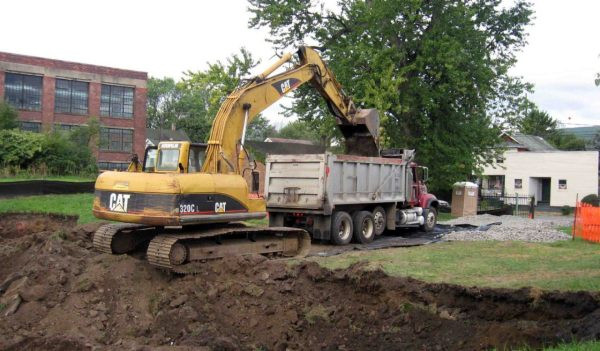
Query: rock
<point x="253" y="290"/>
<point x="178" y="301"/>
<point x="8" y="281"/>
<point x="37" y="292"/>
<point x="93" y="313"/>
<point x="264" y="276"/>
<point x="13" y="305"/>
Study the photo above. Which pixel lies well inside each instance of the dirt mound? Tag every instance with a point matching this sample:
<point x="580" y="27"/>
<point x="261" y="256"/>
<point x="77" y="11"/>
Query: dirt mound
<point x="58" y="294"/>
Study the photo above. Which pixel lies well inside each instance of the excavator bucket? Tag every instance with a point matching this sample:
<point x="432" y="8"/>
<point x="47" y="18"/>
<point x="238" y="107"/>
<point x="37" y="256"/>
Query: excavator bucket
<point x="362" y="137"/>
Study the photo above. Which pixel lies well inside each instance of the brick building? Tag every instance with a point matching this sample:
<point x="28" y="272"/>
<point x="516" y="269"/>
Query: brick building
<point x="51" y="94"/>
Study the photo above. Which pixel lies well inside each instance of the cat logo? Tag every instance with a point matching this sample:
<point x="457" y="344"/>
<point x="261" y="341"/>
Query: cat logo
<point x="118" y="202"/>
<point x="285" y="86"/>
<point x="220" y="207"/>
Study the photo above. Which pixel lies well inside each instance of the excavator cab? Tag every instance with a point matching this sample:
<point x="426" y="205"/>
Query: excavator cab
<point x="174" y="157"/>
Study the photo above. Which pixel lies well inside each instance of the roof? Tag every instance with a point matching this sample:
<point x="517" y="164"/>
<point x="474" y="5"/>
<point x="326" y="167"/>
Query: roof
<point x="289" y="141"/>
<point x="528" y="142"/>
<point x="586" y="133"/>
<point x="157" y="135"/>
<point x="74" y="66"/>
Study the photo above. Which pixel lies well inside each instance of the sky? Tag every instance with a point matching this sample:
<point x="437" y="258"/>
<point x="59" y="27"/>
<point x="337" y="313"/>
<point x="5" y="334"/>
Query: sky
<point x="167" y="38"/>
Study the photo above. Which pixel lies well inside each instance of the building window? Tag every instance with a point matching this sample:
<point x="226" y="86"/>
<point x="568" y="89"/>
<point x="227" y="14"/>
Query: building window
<point x="116" y="101"/>
<point x="71" y="96"/>
<point x="35" y="127"/>
<point x="115" y="139"/>
<point x="66" y="127"/>
<point x="113" y="166"/>
<point x="562" y="183"/>
<point x="23" y="91"/>
<point x="518" y="183"/>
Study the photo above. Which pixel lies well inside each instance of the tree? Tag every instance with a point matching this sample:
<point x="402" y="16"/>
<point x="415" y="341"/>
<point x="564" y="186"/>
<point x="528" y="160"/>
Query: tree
<point x="538" y="123"/>
<point x="203" y="92"/>
<point x="436" y="70"/>
<point x="299" y="129"/>
<point x="260" y="129"/>
<point x="8" y="116"/>
<point x="163" y="97"/>
<point x="567" y="141"/>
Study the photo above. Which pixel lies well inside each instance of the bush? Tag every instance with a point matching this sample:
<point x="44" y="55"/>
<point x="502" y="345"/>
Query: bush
<point x="566" y="210"/>
<point x="8" y="116"/>
<point x="54" y="153"/>
<point x="591" y="199"/>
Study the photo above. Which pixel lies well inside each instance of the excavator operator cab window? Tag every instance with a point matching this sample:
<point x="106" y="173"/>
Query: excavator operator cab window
<point x="196" y="158"/>
<point x="168" y="158"/>
<point x="150" y="160"/>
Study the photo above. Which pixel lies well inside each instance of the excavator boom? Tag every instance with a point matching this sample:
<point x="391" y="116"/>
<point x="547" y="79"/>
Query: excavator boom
<point x="359" y="127"/>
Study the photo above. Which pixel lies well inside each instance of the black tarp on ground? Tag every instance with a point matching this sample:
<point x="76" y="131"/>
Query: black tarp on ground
<point x="404" y="237"/>
<point x="43" y="187"/>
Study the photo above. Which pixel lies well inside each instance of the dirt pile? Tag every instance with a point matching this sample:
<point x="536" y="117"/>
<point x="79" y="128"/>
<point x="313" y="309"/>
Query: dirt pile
<point x="59" y="294"/>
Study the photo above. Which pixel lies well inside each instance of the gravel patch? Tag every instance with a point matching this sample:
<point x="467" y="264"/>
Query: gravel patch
<point x="542" y="229"/>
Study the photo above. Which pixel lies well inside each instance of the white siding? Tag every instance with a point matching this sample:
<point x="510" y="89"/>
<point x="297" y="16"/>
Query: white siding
<point x="578" y="168"/>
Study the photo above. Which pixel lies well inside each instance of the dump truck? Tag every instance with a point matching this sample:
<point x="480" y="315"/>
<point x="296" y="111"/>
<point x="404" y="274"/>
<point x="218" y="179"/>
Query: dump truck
<point x="341" y="197"/>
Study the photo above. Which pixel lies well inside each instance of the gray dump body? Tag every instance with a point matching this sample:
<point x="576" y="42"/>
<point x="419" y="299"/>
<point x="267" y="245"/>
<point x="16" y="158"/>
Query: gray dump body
<point x="323" y="181"/>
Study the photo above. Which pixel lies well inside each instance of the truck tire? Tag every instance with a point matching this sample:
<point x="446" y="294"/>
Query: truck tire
<point x="341" y="228"/>
<point x="380" y="220"/>
<point x="364" y="227"/>
<point x="430" y="215"/>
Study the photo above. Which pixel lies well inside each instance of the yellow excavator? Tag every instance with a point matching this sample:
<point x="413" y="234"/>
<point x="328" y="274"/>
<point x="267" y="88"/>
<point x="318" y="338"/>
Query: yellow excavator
<point x="187" y="200"/>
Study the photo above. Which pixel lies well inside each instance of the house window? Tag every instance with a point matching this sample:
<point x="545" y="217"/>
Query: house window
<point x="562" y="183"/>
<point x="518" y="183"/>
<point x="115" y="139"/>
<point x="113" y="166"/>
<point x="35" y="127"/>
<point x="23" y="91"/>
<point x="116" y="101"/>
<point x="71" y="96"/>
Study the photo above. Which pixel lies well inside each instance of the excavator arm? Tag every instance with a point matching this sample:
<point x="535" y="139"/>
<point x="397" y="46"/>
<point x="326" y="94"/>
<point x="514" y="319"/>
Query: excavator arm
<point x="225" y="144"/>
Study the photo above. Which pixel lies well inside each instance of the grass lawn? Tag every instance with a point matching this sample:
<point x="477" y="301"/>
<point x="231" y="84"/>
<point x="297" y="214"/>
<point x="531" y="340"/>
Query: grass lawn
<point x="72" y="204"/>
<point x="566" y="265"/>
<point x="61" y="178"/>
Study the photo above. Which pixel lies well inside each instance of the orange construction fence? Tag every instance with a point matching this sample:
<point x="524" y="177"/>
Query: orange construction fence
<point x="587" y="222"/>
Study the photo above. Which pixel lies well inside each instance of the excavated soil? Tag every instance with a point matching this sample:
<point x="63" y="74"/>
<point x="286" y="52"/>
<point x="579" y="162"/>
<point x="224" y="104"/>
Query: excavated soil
<point x="59" y="294"/>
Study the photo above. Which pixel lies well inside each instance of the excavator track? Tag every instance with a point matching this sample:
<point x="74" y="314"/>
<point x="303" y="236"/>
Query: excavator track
<point x="185" y="252"/>
<point x="119" y="238"/>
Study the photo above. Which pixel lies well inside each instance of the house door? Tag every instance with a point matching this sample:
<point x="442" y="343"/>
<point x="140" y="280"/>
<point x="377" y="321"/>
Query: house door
<point x="545" y="190"/>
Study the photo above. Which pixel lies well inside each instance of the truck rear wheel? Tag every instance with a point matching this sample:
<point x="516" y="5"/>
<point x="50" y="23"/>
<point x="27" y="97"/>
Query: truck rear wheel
<point x="364" y="227"/>
<point x="430" y="215"/>
<point x="341" y="228"/>
<point x="379" y="219"/>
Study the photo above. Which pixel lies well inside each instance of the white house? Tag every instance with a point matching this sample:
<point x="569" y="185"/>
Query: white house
<point x="531" y="166"/>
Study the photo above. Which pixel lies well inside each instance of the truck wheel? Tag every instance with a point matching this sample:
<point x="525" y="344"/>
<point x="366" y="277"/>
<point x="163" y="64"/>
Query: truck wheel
<point x="341" y="228"/>
<point x="430" y="215"/>
<point x="364" y="227"/>
<point x="379" y="218"/>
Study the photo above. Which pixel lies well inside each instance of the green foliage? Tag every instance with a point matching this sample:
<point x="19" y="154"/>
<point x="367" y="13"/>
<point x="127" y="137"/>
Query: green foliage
<point x="54" y="153"/>
<point x="299" y="129"/>
<point x="538" y="123"/>
<point x="163" y="97"/>
<point x="260" y="129"/>
<point x="436" y="70"/>
<point x="566" y="210"/>
<point x="200" y="95"/>
<point x="8" y="116"/>
<point x="591" y="199"/>
<point x="567" y="141"/>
